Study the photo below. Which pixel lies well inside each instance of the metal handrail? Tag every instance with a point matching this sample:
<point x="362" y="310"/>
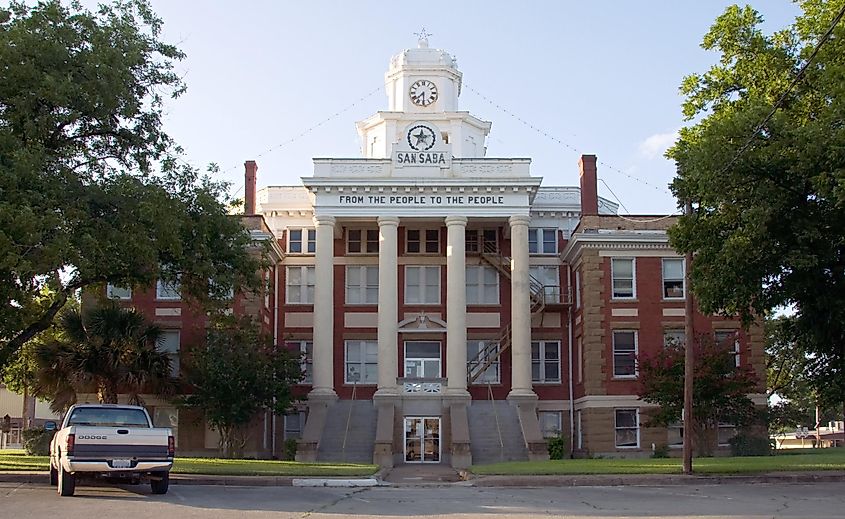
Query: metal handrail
<point x="348" y="421"/>
<point x="498" y="425"/>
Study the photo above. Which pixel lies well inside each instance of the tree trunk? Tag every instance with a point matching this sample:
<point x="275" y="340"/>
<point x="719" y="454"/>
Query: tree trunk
<point x="25" y="410"/>
<point x="106" y="393"/>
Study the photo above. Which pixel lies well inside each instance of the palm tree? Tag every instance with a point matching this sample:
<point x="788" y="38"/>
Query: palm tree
<point x="109" y="349"/>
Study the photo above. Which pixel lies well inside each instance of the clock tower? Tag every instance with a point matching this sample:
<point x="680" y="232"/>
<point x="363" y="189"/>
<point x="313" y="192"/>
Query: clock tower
<point x="423" y="84"/>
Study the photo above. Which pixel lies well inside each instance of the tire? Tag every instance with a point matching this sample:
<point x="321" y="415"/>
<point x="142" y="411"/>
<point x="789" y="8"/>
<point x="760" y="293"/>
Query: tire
<point x="66" y="482"/>
<point x="159" y="482"/>
<point x="54" y="476"/>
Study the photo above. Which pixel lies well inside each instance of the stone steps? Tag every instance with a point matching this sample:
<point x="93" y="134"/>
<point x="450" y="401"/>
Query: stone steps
<point x="360" y="438"/>
<point x="484" y="435"/>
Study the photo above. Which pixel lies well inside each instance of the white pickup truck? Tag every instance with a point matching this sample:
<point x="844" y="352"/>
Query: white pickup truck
<point x="113" y="441"/>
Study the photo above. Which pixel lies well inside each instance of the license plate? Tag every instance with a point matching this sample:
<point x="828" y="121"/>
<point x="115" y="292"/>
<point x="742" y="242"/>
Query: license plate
<point x="121" y="464"/>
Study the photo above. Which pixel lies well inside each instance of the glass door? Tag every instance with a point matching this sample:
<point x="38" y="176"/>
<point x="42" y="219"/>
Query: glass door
<point x="422" y="439"/>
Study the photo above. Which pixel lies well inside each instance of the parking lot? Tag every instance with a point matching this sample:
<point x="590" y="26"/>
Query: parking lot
<point x="819" y="500"/>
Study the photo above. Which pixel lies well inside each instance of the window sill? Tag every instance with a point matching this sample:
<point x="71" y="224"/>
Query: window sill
<point x="674" y="299"/>
<point x="625" y="377"/>
<point x="163" y="300"/>
<point x="624" y="300"/>
<point x="421" y="304"/>
<point x="546" y="383"/>
<point x="627" y="447"/>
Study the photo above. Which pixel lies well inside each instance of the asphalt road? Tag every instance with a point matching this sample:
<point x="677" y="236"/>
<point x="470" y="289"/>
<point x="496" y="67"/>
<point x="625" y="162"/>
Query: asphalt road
<point x="818" y="500"/>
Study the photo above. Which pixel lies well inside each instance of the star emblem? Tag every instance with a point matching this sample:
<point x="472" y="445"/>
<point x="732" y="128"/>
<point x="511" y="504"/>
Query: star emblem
<point x="421" y="137"/>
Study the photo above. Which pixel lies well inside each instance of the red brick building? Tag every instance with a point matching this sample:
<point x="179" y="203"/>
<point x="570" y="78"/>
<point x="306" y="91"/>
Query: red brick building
<point x="452" y="308"/>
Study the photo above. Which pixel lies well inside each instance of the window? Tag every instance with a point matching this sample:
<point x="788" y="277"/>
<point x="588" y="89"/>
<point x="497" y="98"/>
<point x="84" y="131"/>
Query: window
<point x="113" y="292"/>
<point x="169" y="343"/>
<point x="730" y="341"/>
<point x="167" y="417"/>
<point x="726" y="432"/>
<point x="361" y="285"/>
<point x="418" y="241"/>
<point x="474" y="348"/>
<point x="422" y="359"/>
<point x="624" y="353"/>
<point x="550" y="423"/>
<point x="577" y="289"/>
<point x="675" y="435"/>
<point x="542" y="241"/>
<point x="545" y="361"/>
<point x="167" y="291"/>
<point x="362" y="241"/>
<point x="673" y="278"/>
<point x="481" y="240"/>
<point x="623" y="278"/>
<point x="267" y="288"/>
<point x="306" y="349"/>
<point x="674" y="339"/>
<point x="548" y="277"/>
<point x="302" y="241"/>
<point x="482" y="285"/>
<point x="300" y="285"/>
<point x="293" y="425"/>
<point x="422" y="285"/>
<point x="627" y="428"/>
<point x="361" y="362"/>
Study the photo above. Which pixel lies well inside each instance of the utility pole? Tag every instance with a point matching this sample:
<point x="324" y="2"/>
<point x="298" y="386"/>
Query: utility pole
<point x="689" y="357"/>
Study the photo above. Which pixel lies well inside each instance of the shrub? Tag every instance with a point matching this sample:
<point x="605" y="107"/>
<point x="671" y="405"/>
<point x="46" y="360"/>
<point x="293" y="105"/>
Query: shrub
<point x="750" y="445"/>
<point x="36" y="442"/>
<point x="557" y="447"/>
<point x="290" y="449"/>
<point x="660" y="450"/>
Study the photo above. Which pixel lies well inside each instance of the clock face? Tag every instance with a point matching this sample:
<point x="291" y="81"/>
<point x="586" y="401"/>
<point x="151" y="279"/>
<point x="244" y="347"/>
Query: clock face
<point x="423" y="92"/>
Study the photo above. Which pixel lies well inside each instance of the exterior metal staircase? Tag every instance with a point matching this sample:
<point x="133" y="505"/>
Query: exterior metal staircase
<point x="539" y="296"/>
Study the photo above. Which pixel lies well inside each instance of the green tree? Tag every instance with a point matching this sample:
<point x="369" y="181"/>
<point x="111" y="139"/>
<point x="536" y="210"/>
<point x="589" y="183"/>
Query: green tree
<point x="768" y="226"/>
<point x="108" y="350"/>
<point x="720" y="390"/>
<point x="236" y="374"/>
<point x="91" y="189"/>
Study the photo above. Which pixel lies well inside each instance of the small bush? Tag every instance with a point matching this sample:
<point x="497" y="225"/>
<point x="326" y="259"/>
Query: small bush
<point x="660" y="451"/>
<point x="36" y="442"/>
<point x="290" y="449"/>
<point x="557" y="447"/>
<point x="750" y="445"/>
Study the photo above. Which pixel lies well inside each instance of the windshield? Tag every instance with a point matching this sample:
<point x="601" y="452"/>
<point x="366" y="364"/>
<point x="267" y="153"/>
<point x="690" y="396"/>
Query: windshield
<point x="108" y="417"/>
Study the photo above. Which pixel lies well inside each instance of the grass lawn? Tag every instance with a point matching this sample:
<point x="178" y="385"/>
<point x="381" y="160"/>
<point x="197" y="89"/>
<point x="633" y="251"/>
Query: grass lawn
<point x="783" y="461"/>
<point x="18" y="460"/>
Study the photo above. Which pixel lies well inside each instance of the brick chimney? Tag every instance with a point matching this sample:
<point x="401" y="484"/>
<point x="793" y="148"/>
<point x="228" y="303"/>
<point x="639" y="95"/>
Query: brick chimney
<point x="250" y="174"/>
<point x="589" y="189"/>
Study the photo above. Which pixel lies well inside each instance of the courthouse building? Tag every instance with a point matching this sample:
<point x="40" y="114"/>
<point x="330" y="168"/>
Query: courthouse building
<point x="451" y="308"/>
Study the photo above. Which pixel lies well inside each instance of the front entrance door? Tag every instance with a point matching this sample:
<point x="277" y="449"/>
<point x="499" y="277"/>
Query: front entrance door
<point x="422" y="439"/>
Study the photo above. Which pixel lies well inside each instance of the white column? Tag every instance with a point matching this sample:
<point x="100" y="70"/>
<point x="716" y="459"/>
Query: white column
<point x="520" y="308"/>
<point x="324" y="307"/>
<point x="388" y="300"/>
<point x="456" y="304"/>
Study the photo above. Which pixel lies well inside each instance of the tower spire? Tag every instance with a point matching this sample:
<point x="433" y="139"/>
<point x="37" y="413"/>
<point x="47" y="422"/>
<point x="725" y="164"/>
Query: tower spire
<point x="422" y="38"/>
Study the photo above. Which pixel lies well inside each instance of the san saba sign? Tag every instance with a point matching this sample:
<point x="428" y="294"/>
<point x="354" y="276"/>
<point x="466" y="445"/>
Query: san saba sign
<point x="422" y="147"/>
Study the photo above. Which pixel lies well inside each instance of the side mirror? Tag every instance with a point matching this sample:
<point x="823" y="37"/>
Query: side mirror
<point x="50" y="426"/>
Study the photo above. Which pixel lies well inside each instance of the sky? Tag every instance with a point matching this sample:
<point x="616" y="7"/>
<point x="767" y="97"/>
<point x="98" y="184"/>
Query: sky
<point x="282" y="82"/>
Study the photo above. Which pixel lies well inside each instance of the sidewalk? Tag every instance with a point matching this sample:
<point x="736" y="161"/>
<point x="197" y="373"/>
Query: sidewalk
<point x="439" y="475"/>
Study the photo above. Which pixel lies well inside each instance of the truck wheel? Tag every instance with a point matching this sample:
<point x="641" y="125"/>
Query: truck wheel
<point x="67" y="482"/>
<point x="159" y="482"/>
<point x="54" y="476"/>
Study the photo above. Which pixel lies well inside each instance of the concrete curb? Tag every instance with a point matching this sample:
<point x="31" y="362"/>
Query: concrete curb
<point x="477" y="481"/>
<point x="653" y="480"/>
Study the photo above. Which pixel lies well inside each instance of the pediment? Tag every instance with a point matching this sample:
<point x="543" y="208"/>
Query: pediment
<point x="422" y="323"/>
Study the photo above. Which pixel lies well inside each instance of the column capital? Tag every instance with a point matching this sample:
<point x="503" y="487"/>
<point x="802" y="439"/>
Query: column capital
<point x="388" y="220"/>
<point x="519" y="219"/>
<point x="324" y="219"/>
<point x="456" y="220"/>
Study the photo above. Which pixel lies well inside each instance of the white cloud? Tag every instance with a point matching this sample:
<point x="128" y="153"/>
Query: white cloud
<point x="656" y="145"/>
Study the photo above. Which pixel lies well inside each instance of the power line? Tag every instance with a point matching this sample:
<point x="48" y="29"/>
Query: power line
<point x="559" y="141"/>
<point x="306" y="131"/>
<point x="782" y="98"/>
